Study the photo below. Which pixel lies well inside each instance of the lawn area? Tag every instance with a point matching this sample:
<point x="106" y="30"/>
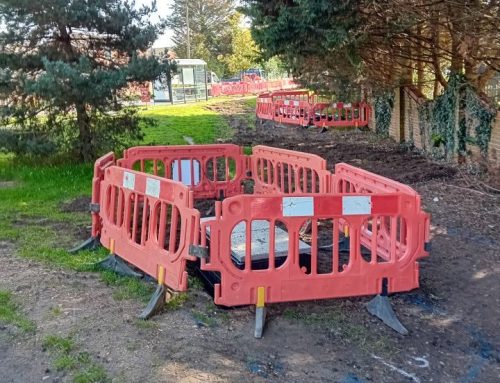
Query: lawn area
<point x="194" y="121"/>
<point x="33" y="194"/>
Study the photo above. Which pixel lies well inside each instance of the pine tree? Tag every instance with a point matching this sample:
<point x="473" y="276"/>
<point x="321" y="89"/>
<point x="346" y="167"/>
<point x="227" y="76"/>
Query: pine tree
<point x="63" y="64"/>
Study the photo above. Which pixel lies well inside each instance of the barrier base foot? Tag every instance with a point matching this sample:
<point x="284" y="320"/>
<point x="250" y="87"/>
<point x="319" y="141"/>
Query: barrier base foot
<point x="91" y="243"/>
<point x="114" y="263"/>
<point x="155" y="303"/>
<point x="260" y="321"/>
<point x="382" y="309"/>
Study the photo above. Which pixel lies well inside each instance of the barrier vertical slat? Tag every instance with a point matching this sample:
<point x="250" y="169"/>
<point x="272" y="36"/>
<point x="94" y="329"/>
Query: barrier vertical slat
<point x="162" y="227"/>
<point x="145" y="210"/>
<point x="393" y="234"/>
<point x="248" y="245"/>
<point x="314" y="247"/>
<point x="374" y="239"/>
<point x="174" y="218"/>
<point x="335" y="253"/>
<point x="272" y="244"/>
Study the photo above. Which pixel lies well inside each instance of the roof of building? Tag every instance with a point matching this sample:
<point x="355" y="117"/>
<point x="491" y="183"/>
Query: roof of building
<point x="187" y="62"/>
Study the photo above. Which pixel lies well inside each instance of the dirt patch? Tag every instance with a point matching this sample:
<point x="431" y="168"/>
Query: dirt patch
<point x="352" y="146"/>
<point x="452" y="318"/>
<point x="79" y="204"/>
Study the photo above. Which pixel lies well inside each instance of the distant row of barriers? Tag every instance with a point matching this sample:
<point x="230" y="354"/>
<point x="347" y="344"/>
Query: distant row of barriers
<point x="250" y="87"/>
<point x="305" y="233"/>
<point x="304" y="108"/>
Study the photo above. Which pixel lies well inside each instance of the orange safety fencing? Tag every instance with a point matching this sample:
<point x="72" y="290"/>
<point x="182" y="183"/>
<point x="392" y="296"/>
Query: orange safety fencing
<point x="327" y="235"/>
<point x="211" y="171"/>
<point x="149" y="221"/>
<point x="250" y="87"/>
<point x="305" y="109"/>
<point x="285" y="171"/>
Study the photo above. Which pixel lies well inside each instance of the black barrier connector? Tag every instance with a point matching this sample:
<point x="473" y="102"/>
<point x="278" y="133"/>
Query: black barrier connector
<point x="155" y="304"/>
<point x="115" y="263"/>
<point x="91" y="243"/>
<point x="380" y="306"/>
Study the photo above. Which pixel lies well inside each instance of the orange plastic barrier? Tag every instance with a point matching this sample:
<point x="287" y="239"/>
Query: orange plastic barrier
<point x="211" y="171"/>
<point x="149" y="221"/>
<point x="304" y="234"/>
<point x="99" y="167"/>
<point x="264" y="107"/>
<point x="250" y="87"/>
<point x="340" y="114"/>
<point x="234" y="88"/>
<point x="392" y="233"/>
<point x="284" y="171"/>
<point x="304" y="108"/>
<point x="292" y="280"/>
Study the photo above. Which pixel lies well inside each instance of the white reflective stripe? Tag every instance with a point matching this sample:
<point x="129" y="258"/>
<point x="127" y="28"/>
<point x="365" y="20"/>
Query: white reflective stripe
<point x="356" y="205"/>
<point x="298" y="206"/>
<point x="129" y="180"/>
<point x="347" y="105"/>
<point x="153" y="187"/>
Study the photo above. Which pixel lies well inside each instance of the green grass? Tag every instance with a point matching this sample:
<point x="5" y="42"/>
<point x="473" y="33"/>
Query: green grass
<point x="58" y="344"/>
<point x="31" y="216"/>
<point x="174" y="122"/>
<point x="251" y="102"/>
<point x="127" y="287"/>
<point x="176" y="301"/>
<point x="10" y="314"/>
<point x="30" y="208"/>
<point x="79" y="364"/>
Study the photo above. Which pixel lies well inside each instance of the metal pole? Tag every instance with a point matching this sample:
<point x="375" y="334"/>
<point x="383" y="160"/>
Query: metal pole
<point x="188" y="37"/>
<point x="206" y="85"/>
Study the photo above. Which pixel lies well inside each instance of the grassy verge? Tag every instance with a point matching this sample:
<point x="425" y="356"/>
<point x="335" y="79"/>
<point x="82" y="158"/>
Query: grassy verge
<point x="32" y="195"/>
<point x="175" y="123"/>
<point x="10" y="314"/>
<point x="78" y="364"/>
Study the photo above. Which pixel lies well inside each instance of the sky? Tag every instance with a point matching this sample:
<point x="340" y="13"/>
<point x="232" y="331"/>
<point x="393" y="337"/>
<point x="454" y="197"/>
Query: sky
<point x="163" y="10"/>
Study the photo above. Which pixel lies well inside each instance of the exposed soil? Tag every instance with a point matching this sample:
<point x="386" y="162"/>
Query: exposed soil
<point x="452" y="317"/>
<point x="80" y="204"/>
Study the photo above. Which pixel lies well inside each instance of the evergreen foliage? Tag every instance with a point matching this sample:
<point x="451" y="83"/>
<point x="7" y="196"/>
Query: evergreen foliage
<point x="63" y="65"/>
<point x="456" y="119"/>
<point x="383" y="106"/>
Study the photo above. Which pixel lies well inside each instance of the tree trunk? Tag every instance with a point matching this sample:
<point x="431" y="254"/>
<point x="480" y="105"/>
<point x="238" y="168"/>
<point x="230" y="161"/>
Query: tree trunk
<point x="420" y="64"/>
<point x="85" y="149"/>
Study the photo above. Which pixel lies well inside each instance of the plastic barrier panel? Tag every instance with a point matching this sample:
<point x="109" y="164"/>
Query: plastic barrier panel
<point x="286" y="171"/>
<point x="99" y="167"/>
<point x="211" y="171"/>
<point x="304" y="108"/>
<point x="292" y="112"/>
<point x="340" y="114"/>
<point x="149" y="221"/>
<point x="327" y="270"/>
<point x="391" y="233"/>
<point x="264" y="107"/>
